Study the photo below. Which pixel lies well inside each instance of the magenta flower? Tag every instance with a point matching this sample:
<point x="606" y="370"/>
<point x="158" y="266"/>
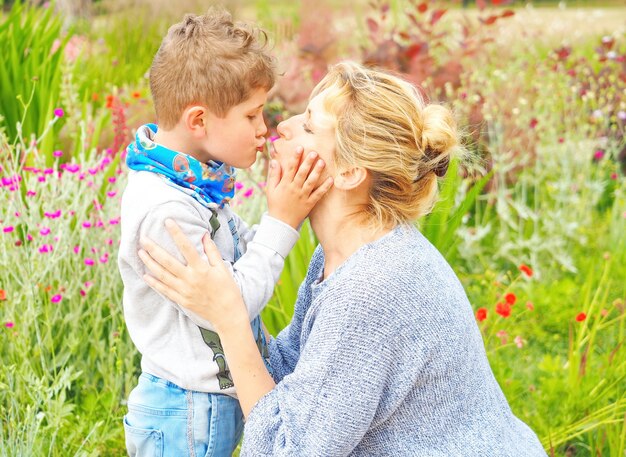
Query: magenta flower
<point x="48" y="171"/>
<point x="114" y="221"/>
<point x="46" y="248"/>
<point x="57" y="153"/>
<point x="56" y="298"/>
<point x="89" y="262"/>
<point x="9" y="324"/>
<point x="248" y="192"/>
<point x="8" y="229"/>
<point x="29" y="237"/>
<point x="111" y="194"/>
<point x="104" y="258"/>
<point x="45" y="231"/>
<point x="72" y="168"/>
<point x="86" y="224"/>
<point x="76" y="249"/>
<point x="112" y="179"/>
<point x="41" y="178"/>
<point x="599" y="154"/>
<point x="238" y="185"/>
<point x="31" y="193"/>
<point x="93" y="171"/>
<point x="53" y="215"/>
<point x="613" y="176"/>
<point x="58" y="112"/>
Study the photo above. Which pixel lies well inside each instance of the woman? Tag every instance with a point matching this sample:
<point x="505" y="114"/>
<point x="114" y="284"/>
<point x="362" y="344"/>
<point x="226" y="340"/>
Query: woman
<point x="383" y="356"/>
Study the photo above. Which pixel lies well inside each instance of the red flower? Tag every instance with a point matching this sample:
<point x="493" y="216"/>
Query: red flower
<point x="3" y="294"/>
<point x="481" y="314"/>
<point x="503" y="309"/>
<point x="581" y="317"/>
<point x="510" y="298"/>
<point x="136" y="94"/>
<point x="533" y="123"/>
<point x="526" y="270"/>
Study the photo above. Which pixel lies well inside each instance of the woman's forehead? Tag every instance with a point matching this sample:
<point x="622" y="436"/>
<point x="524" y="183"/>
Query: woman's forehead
<point x="317" y="114"/>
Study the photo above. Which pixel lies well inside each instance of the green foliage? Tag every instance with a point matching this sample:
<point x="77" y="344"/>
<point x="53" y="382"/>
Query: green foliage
<point x="30" y="71"/>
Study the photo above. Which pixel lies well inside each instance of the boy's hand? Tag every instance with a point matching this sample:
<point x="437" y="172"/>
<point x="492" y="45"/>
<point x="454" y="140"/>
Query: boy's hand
<point x="294" y="190"/>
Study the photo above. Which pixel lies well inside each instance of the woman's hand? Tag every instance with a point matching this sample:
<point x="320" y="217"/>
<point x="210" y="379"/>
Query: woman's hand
<point x="293" y="190"/>
<point x="205" y="288"/>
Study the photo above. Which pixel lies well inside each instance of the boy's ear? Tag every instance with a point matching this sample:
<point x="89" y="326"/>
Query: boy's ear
<point x="195" y="119"/>
<point x="350" y="178"/>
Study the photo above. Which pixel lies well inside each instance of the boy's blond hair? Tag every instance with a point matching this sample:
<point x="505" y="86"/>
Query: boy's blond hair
<point x="210" y="61"/>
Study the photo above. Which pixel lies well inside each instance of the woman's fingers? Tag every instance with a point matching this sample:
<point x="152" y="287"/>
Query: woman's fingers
<point x="211" y="251"/>
<point x="163" y="289"/>
<point x="162" y="257"/>
<point x="158" y="271"/>
<point x="185" y="246"/>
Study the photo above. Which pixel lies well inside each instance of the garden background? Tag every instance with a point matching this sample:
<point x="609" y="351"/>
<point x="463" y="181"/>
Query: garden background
<point x="534" y="224"/>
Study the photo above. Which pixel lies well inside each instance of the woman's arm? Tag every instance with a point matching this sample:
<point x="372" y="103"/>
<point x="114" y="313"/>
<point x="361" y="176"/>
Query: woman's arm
<point x="226" y="310"/>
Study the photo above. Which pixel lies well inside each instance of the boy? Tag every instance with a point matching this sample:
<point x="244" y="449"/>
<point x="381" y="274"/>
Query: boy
<point x="209" y="81"/>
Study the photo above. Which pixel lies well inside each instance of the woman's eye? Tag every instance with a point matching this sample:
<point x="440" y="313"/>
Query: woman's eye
<point x="306" y="128"/>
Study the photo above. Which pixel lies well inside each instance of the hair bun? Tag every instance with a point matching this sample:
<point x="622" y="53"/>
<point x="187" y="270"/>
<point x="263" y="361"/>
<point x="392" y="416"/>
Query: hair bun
<point x="439" y="137"/>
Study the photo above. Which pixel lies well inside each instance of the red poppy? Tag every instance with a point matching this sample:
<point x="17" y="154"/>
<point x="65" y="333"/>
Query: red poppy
<point x="3" y="294"/>
<point x="503" y="309"/>
<point x="526" y="270"/>
<point x="481" y="314"/>
<point x="136" y="94"/>
<point x="581" y="317"/>
<point x="510" y="298"/>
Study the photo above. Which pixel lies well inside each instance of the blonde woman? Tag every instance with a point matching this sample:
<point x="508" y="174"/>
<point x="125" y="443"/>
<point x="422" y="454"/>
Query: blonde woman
<point x="383" y="356"/>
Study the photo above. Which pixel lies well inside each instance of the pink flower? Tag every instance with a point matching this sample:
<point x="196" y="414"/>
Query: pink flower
<point x="613" y="176"/>
<point x="58" y="112"/>
<point x="89" y="262"/>
<point x="76" y="249"/>
<point x="45" y="231"/>
<point x="104" y="258"/>
<point x="56" y="298"/>
<point x="57" y="153"/>
<point x="112" y="179"/>
<point x="530" y="305"/>
<point x="72" y="168"/>
<point x="599" y="154"/>
<point x="53" y="215"/>
<point x="86" y="224"/>
<point x="31" y="193"/>
<point x="248" y="192"/>
<point x="88" y="284"/>
<point x="41" y="178"/>
<point x="114" y="221"/>
<point x="519" y="342"/>
<point x="111" y="194"/>
<point x="45" y="248"/>
<point x="238" y="185"/>
<point x="9" y="324"/>
<point x="8" y="229"/>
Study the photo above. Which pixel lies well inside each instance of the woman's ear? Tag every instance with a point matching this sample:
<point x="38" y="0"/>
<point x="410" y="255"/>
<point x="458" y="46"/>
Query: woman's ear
<point x="195" y="119"/>
<point x="350" y="178"/>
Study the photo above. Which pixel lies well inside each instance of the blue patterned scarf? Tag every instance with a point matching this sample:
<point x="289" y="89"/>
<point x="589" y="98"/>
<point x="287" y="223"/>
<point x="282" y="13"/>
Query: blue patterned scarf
<point x="211" y="183"/>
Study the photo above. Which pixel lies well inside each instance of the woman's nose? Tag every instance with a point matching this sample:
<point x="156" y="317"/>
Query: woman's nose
<point x="283" y="130"/>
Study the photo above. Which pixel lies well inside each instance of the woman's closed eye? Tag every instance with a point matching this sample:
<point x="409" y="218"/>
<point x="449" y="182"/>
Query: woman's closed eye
<point x="306" y="128"/>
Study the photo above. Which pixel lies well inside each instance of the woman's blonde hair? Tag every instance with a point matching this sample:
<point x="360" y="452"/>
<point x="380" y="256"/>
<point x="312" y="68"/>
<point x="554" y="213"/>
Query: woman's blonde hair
<point x="208" y="60"/>
<point x="383" y="124"/>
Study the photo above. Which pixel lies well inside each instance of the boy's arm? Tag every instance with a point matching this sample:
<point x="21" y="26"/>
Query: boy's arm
<point x="291" y="192"/>
<point x="258" y="269"/>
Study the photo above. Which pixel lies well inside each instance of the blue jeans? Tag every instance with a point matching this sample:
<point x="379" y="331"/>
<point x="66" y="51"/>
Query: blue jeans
<point x="166" y="420"/>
